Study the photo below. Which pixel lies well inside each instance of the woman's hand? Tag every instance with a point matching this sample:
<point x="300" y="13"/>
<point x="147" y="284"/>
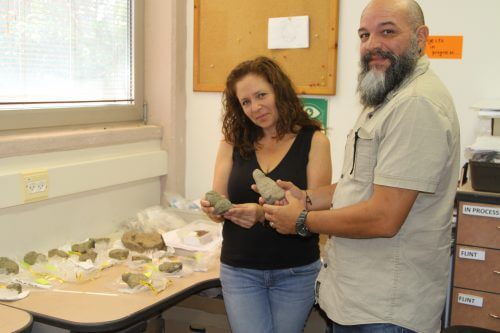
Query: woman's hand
<point x="245" y="215"/>
<point x="209" y="210"/>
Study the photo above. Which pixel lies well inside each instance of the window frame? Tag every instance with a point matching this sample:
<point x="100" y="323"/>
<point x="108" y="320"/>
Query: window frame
<point x="40" y="117"/>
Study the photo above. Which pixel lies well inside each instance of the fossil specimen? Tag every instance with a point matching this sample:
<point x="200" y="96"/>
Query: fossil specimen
<point x="33" y="257"/>
<point x="90" y="254"/>
<point x="143" y="258"/>
<point x="15" y="286"/>
<point x="57" y="252"/>
<point x="170" y="267"/>
<point x="134" y="279"/>
<point x="8" y="266"/>
<point x="268" y="189"/>
<point x="83" y="247"/>
<point x="220" y="204"/>
<point x="142" y="241"/>
<point x="119" y="254"/>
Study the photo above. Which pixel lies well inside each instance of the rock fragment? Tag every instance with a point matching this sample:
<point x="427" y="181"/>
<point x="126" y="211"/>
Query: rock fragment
<point x="268" y="189"/>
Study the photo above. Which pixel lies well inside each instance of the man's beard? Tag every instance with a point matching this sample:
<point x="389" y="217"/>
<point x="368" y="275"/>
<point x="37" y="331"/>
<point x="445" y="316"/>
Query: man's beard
<point x="374" y="85"/>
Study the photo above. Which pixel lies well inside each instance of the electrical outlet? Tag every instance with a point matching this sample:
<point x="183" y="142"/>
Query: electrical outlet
<point x="35" y="185"/>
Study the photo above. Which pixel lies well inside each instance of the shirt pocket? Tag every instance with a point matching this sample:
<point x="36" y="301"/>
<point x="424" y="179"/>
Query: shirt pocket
<point x="364" y="156"/>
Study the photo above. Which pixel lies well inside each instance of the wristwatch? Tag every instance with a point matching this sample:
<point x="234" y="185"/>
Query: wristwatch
<point x="300" y="226"/>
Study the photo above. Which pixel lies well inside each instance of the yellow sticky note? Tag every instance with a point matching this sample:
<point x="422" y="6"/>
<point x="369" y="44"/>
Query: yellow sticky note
<point x="444" y="47"/>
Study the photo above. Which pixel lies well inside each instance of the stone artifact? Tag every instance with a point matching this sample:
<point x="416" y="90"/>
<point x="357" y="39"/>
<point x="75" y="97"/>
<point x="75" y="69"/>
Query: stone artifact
<point x="8" y="266"/>
<point x="143" y="258"/>
<point x="90" y="254"/>
<point x="83" y="247"/>
<point x="134" y="279"/>
<point x="220" y="204"/>
<point x="15" y="286"/>
<point x="268" y="189"/>
<point x="142" y="241"/>
<point x="170" y="267"/>
<point x="119" y="254"/>
<point x="104" y="240"/>
<point x="33" y="257"/>
<point x="57" y="252"/>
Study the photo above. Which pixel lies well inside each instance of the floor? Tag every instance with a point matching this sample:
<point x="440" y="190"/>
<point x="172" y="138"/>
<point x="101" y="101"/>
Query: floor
<point x="206" y="314"/>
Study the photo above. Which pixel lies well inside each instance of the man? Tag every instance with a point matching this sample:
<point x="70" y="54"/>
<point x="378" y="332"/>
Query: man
<point x="387" y="264"/>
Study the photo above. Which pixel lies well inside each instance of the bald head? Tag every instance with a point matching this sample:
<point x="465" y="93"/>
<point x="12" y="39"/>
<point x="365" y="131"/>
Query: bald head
<point x="412" y="9"/>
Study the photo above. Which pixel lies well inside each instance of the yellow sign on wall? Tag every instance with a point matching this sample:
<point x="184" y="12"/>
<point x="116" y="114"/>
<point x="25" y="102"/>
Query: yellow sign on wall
<point x="444" y="47"/>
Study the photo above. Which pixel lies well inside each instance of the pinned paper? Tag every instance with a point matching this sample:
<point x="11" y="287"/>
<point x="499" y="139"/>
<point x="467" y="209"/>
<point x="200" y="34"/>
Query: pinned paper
<point x="288" y="32"/>
<point x="444" y="47"/>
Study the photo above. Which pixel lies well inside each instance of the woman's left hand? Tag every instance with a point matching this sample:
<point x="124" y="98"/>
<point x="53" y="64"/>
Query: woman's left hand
<point x="245" y="215"/>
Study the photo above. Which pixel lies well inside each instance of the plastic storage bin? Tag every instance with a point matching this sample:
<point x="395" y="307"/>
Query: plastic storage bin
<point x="485" y="176"/>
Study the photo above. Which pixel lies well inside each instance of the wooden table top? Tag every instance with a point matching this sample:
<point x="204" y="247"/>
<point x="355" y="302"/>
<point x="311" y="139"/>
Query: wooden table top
<point x="97" y="305"/>
<point x="14" y="320"/>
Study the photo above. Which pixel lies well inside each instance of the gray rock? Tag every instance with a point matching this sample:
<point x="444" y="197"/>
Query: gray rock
<point x="142" y="241"/>
<point x="83" y="247"/>
<point x="143" y="258"/>
<point x="220" y="204"/>
<point x="15" y="286"/>
<point x="170" y="267"/>
<point x="33" y="257"/>
<point x="134" y="279"/>
<point x="57" y="252"/>
<point x="8" y="266"/>
<point x="119" y="254"/>
<point x="268" y="189"/>
<point x="90" y="254"/>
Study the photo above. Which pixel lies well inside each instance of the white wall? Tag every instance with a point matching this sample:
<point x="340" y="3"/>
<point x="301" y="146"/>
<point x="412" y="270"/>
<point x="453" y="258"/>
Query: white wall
<point x="90" y="192"/>
<point x="476" y="76"/>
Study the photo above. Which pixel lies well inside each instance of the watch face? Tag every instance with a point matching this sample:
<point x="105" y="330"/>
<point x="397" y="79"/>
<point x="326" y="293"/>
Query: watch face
<point x="302" y="230"/>
<point x="300" y="226"/>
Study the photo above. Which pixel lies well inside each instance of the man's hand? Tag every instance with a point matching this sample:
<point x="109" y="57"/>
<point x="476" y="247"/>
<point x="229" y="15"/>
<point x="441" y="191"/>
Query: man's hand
<point x="283" y="218"/>
<point x="245" y="215"/>
<point x="287" y="186"/>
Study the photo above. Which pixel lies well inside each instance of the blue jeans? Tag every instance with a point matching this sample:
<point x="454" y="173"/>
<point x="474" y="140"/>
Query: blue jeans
<point x="370" y="328"/>
<point x="268" y="301"/>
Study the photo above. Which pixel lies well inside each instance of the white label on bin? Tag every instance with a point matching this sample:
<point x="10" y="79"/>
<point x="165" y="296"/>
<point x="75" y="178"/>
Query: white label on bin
<point x="466" y="253"/>
<point x="481" y="211"/>
<point x="470" y="300"/>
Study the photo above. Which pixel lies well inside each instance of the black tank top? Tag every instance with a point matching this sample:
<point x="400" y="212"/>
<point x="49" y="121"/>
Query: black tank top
<point x="261" y="247"/>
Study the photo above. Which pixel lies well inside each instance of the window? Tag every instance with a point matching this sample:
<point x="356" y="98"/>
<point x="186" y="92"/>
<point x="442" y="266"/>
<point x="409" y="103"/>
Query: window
<point x="69" y="62"/>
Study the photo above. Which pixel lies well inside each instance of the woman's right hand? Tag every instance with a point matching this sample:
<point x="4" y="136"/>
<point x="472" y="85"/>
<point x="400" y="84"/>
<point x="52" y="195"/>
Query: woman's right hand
<point x="208" y="209"/>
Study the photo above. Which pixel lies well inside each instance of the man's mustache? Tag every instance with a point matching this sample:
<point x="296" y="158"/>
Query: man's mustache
<point x="379" y="53"/>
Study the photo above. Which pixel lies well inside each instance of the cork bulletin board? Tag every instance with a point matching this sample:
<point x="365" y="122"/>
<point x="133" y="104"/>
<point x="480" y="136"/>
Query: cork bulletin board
<point x="227" y="32"/>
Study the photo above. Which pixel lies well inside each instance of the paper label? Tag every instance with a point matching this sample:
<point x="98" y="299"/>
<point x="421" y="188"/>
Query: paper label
<point x="466" y="253"/>
<point x="444" y="47"/>
<point x="470" y="300"/>
<point x="481" y="211"/>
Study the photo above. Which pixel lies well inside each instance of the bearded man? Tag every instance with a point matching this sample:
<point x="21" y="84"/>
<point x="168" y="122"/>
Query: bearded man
<point x="386" y="263"/>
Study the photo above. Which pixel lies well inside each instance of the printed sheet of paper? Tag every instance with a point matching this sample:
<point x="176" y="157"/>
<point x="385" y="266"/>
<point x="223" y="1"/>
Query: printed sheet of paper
<point x="288" y="32"/>
<point x="444" y="47"/>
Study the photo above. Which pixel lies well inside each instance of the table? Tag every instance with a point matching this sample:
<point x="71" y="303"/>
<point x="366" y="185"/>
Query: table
<point x="14" y="320"/>
<point x="95" y="306"/>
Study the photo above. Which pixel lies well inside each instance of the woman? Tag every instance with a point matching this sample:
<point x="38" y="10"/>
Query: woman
<point x="267" y="278"/>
